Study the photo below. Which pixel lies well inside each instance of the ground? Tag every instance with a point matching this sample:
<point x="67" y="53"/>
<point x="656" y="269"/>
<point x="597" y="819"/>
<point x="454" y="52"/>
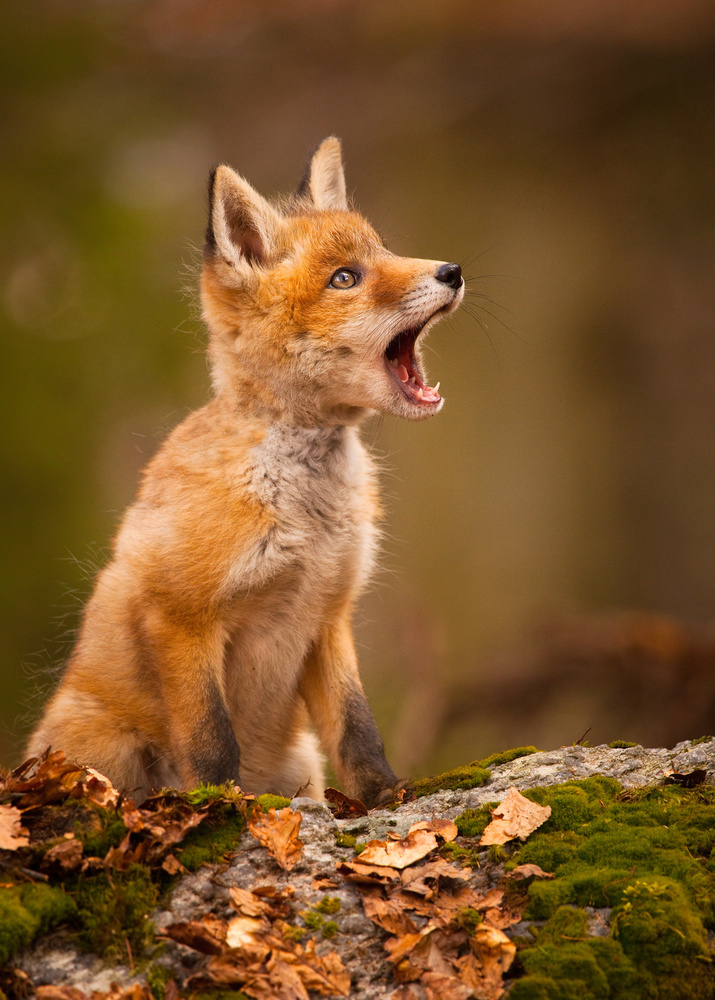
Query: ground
<point x="612" y="895"/>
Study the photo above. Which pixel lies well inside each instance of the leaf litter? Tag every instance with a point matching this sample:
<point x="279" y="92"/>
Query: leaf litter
<point x="442" y="934"/>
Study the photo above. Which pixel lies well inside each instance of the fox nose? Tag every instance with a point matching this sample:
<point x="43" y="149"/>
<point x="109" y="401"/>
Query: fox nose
<point x="450" y="274"/>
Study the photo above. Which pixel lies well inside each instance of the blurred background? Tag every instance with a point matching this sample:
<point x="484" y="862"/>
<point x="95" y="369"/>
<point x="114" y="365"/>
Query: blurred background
<point x="549" y="553"/>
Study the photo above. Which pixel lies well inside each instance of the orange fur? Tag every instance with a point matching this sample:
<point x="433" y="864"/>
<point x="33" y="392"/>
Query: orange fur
<point x="221" y="627"/>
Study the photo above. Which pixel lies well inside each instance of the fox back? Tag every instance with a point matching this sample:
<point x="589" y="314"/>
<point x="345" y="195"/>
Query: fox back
<point x="217" y="643"/>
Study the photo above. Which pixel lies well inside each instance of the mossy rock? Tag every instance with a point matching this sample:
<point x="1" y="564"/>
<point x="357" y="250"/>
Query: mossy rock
<point x="29" y="910"/>
<point x="648" y="855"/>
<point x="469" y="775"/>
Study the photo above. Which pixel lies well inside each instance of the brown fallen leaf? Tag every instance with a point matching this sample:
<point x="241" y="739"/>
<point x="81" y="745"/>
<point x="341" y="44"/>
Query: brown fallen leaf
<point x="66" y="855"/>
<point x="495" y="952"/>
<point x="354" y="871"/>
<point x="206" y="935"/>
<point x="99" y="789"/>
<point x="342" y="806"/>
<point x="324" y="974"/>
<point x="390" y="914"/>
<point x="445" y="829"/>
<point x="440" y="987"/>
<point x="173" y="866"/>
<point x="690" y="780"/>
<point x="406" y="992"/>
<point x="418" y="843"/>
<point x="277" y="831"/>
<point x="522" y="872"/>
<point x="13" y="834"/>
<point x="59" y="993"/>
<point x="425" y="879"/>
<point x="248" y="903"/>
<point x="248" y="934"/>
<point x="515" y="816"/>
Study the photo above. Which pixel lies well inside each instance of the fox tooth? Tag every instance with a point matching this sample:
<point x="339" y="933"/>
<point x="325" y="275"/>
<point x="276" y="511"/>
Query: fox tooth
<point x="436" y="388"/>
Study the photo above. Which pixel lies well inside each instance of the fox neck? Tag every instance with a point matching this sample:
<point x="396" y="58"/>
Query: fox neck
<point x="274" y="399"/>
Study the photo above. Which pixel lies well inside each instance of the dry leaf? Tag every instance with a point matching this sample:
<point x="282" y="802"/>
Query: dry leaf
<point x="59" y="993"/>
<point x="399" y="853"/>
<point x="13" y="834"/>
<point x="342" y="806"/>
<point x="206" y="936"/>
<point x="248" y="903"/>
<point x="405" y="993"/>
<point x="173" y="866"/>
<point x="522" y="872"/>
<point x="67" y="855"/>
<point x="355" y="871"/>
<point x="99" y="789"/>
<point x="390" y="914"/>
<point x="440" y="987"/>
<point x="425" y="880"/>
<point x="324" y="974"/>
<point x="495" y="952"/>
<point x="278" y="833"/>
<point x="515" y="816"/>
<point x="445" y="829"/>
<point x="246" y="934"/>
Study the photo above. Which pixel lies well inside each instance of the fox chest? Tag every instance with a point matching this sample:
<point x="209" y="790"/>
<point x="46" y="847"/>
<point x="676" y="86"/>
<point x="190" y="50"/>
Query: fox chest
<point x="319" y="545"/>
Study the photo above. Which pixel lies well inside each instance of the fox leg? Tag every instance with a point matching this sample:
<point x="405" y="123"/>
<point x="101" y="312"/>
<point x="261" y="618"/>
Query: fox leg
<point x="200" y="732"/>
<point x="331" y="687"/>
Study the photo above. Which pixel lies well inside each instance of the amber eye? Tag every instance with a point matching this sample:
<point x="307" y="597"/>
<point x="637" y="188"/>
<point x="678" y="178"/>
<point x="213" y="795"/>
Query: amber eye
<point x="344" y="279"/>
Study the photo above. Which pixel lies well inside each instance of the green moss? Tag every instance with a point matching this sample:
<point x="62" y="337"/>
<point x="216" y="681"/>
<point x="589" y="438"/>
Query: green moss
<point x="113" y="910"/>
<point x="203" y="795"/>
<point x="595" y="969"/>
<point x="507" y="755"/>
<point x="29" y="910"/>
<point x="345" y="840"/>
<point x="157" y="976"/>
<point x="106" y="829"/>
<point x="469" y="775"/>
<point x="328" y="904"/>
<point x="469" y="919"/>
<point x="329" y="929"/>
<point x="497" y="853"/>
<point x="293" y="933"/>
<point x="648" y="854"/>
<point x="209" y="842"/>
<point x="313" y="921"/>
<point x="701" y="739"/>
<point x="621" y="744"/>
<point x="473" y="822"/>
<point x="272" y="802"/>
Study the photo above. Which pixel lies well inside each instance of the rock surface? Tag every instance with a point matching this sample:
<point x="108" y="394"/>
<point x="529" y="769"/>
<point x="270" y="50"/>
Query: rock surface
<point x="358" y="941"/>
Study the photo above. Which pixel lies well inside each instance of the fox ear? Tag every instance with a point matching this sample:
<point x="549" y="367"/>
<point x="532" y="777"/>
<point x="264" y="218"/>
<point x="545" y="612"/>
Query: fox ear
<point x="242" y="226"/>
<point x="324" y="181"/>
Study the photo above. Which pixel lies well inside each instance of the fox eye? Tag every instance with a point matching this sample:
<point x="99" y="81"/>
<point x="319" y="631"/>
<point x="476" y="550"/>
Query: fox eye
<point x="344" y="278"/>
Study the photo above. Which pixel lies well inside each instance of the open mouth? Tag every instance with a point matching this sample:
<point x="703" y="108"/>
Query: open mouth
<point x="402" y="365"/>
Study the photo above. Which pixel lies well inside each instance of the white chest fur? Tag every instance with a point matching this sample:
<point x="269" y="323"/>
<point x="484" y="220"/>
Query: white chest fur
<point x="314" y="486"/>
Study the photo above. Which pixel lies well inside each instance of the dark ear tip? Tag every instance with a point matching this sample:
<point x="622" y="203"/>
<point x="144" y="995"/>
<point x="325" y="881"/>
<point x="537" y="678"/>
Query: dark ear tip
<point x="210" y="240"/>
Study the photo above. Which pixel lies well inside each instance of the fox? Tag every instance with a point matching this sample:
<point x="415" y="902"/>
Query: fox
<point x="217" y="643"/>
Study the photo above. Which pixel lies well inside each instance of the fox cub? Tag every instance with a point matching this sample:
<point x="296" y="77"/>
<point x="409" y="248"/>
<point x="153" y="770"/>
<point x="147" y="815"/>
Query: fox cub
<point x="218" y="639"/>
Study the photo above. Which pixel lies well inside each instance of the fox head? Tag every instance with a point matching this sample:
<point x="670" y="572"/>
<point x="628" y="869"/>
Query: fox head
<point x="310" y="317"/>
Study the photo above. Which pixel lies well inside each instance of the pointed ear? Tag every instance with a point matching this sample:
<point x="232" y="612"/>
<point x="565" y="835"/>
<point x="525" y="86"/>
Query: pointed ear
<point x="242" y="226"/>
<point x="324" y="181"/>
